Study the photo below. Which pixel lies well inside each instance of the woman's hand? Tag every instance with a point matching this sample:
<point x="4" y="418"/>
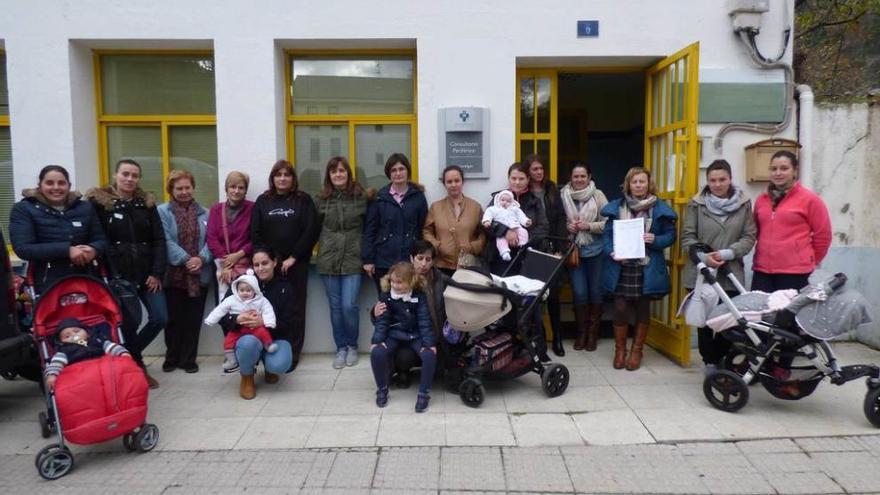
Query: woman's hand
<point x="89" y="253"/>
<point x="287" y="264"/>
<point x="232" y="258"/>
<point x="512" y="239"/>
<point x="250" y="319"/>
<point x="226" y="275"/>
<point x="379" y="309"/>
<point x="77" y="255"/>
<point x="370" y="269"/>
<point x="572" y="227"/>
<point x="649" y="238"/>
<point x="153" y="284"/>
<point x="194" y="265"/>
<point x="714" y="259"/>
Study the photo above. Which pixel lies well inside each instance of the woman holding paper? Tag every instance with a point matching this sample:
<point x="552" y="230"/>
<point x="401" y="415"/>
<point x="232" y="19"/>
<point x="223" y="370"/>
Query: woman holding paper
<point x="635" y="281"/>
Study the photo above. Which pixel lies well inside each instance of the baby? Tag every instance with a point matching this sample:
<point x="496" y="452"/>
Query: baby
<point x="246" y="298"/>
<point x="507" y="212"/>
<point x="73" y="343"/>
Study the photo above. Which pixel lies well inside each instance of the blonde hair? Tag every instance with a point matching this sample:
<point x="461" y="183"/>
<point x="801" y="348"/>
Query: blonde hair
<point x="407" y="274"/>
<point x="634" y="171"/>
<point x="235" y="177"/>
<point x="176" y="175"/>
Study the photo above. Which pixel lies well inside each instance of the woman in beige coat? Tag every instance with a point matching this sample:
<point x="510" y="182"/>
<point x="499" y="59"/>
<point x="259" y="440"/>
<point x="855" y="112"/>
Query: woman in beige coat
<point x="453" y="225"/>
<point x="720" y="216"/>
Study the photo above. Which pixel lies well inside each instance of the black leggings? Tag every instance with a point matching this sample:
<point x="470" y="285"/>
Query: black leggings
<point x="624" y="308"/>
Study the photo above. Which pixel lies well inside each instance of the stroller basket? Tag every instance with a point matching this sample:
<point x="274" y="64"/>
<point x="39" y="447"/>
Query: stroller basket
<point x="791" y="389"/>
<point x="494" y="351"/>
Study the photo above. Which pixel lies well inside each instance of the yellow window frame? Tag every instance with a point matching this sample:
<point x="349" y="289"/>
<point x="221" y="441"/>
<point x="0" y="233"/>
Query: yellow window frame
<point x="164" y="121"/>
<point x="350" y="120"/>
<point x="536" y="136"/>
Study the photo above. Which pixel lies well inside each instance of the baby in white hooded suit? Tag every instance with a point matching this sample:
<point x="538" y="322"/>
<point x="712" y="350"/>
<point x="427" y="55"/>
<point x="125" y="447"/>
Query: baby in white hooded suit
<point x="506" y="211"/>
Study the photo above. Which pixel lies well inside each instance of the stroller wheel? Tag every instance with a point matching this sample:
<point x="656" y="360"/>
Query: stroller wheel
<point x="554" y="380"/>
<point x="147" y="438"/>
<point x="128" y="442"/>
<point x="472" y="392"/>
<point x="45" y="429"/>
<point x="872" y="406"/>
<point x="54" y="461"/>
<point x="726" y="391"/>
<point x="738" y="363"/>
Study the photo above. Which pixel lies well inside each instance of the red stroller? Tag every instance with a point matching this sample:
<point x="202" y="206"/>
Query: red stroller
<point x="94" y="400"/>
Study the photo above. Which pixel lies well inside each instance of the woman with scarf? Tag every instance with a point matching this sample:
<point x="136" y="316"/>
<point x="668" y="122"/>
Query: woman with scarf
<point x="190" y="269"/>
<point x="582" y="203"/>
<point x="634" y="283"/>
<point x="794" y="229"/>
<point x="720" y="217"/>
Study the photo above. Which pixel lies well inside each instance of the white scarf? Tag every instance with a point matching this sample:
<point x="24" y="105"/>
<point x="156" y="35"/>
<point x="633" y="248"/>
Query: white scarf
<point x="588" y="212"/>
<point x="403" y="296"/>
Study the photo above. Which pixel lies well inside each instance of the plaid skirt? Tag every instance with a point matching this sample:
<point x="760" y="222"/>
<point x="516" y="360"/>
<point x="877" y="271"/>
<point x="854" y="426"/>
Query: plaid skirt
<point x="629" y="285"/>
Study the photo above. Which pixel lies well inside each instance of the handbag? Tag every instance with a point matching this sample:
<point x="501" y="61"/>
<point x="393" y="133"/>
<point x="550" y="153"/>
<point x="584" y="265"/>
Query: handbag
<point x="574" y="258"/>
<point x="466" y="260"/>
<point x="244" y="263"/>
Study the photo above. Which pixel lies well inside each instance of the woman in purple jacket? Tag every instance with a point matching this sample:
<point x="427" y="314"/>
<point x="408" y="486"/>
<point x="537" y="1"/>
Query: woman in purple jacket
<point x="229" y="231"/>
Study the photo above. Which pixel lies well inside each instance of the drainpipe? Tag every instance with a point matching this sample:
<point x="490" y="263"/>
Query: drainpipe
<point x="805" y="134"/>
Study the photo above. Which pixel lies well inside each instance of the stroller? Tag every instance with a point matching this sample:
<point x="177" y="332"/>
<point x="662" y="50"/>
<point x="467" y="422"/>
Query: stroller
<point x="781" y="339"/>
<point x="505" y="308"/>
<point x="94" y="400"/>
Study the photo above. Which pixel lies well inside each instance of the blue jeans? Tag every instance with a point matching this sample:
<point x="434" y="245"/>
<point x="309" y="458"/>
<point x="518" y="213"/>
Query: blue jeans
<point x="249" y="351"/>
<point x="586" y="281"/>
<point x="342" y="294"/>
<point x="157" y="318"/>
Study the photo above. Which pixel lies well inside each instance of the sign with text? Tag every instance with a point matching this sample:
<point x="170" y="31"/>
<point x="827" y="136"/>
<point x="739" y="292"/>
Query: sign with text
<point x="464" y="140"/>
<point x="588" y="29"/>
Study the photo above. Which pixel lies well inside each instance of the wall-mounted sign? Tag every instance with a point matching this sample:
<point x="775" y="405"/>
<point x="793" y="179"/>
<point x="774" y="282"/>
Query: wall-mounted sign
<point x="588" y="29"/>
<point x="464" y="140"/>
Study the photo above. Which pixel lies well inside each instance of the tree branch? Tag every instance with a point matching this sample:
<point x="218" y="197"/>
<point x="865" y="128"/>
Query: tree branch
<point x="828" y="24"/>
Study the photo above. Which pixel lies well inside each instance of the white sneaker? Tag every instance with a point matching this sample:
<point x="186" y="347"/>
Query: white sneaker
<point x="351" y="358"/>
<point x="230" y="366"/>
<point x="505" y="255"/>
<point x="339" y="360"/>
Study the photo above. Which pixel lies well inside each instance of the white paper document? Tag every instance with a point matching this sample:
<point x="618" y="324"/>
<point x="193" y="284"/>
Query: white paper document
<point x="629" y="241"/>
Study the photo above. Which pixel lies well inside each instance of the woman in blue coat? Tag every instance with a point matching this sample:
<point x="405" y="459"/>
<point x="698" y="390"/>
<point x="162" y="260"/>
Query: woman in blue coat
<point x="394" y="220"/>
<point x="635" y="282"/>
<point x="53" y="229"/>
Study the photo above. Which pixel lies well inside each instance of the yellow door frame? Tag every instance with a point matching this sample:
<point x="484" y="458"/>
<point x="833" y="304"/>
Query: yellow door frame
<point x="552" y="135"/>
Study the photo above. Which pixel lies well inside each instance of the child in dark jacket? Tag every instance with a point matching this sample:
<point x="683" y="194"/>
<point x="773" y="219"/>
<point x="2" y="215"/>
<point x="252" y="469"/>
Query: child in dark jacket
<point x="406" y="322"/>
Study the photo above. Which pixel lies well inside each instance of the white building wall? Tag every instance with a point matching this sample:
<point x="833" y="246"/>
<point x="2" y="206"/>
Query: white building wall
<point x="467" y="54"/>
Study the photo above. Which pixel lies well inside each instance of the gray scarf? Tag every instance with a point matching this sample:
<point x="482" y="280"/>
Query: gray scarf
<point x="723" y="207"/>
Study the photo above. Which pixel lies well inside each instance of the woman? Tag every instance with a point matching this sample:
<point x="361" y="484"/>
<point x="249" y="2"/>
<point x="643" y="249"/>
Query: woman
<point x="249" y="350"/>
<point x="342" y="207"/>
<point x="53" y="229"/>
<point x="794" y="229"/>
<point x="136" y="250"/>
<point x="453" y="224"/>
<point x="720" y="217"/>
<point x="284" y="222"/>
<point x="189" y="271"/>
<point x="582" y="203"/>
<point x="229" y="231"/>
<point x="394" y="220"/>
<point x="635" y="282"/>
<point x="518" y="184"/>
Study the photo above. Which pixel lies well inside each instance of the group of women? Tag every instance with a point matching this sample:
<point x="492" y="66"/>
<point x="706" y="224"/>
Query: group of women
<point x="172" y="252"/>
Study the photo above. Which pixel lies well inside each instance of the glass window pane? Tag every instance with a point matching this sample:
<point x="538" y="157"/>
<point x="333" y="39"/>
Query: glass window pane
<point x="543" y="100"/>
<point x="315" y="146"/>
<point x="194" y="148"/>
<point x="373" y="145"/>
<point x="544" y="153"/>
<point x="7" y="193"/>
<point x="526" y="148"/>
<point x="142" y="144"/>
<point x="4" y="89"/>
<point x="527" y="105"/>
<point x="352" y="85"/>
<point x="157" y="84"/>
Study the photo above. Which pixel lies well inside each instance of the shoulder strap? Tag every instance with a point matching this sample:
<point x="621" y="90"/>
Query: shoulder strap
<point x="225" y="226"/>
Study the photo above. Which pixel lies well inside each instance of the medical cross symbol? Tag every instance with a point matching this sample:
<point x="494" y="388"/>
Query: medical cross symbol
<point x="464" y="115"/>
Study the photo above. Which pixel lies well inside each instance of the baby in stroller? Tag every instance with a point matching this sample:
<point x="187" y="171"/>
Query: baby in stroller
<point x="75" y="343"/>
<point x="246" y="297"/>
<point x="406" y="322"/>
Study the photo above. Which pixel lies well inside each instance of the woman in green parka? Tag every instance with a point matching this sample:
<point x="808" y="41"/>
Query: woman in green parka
<point x="342" y="207"/>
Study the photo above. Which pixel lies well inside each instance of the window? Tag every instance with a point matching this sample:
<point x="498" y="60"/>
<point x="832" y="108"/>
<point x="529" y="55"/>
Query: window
<point x="7" y="192"/>
<point x="360" y="105"/>
<point x="158" y="109"/>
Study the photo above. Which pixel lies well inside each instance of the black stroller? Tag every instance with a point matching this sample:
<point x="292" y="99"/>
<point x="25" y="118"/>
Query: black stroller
<point x="786" y="349"/>
<point x="505" y="310"/>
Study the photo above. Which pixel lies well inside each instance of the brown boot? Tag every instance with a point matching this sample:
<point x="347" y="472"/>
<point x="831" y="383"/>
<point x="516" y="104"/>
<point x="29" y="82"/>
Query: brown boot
<point x="150" y="380"/>
<point x="248" y="390"/>
<point x="580" y="325"/>
<point x="620" y="332"/>
<point x="594" y="319"/>
<point x="635" y="355"/>
<point x="271" y="378"/>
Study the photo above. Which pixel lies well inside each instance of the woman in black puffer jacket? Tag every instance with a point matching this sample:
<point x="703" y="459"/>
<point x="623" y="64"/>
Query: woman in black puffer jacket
<point x="54" y="230"/>
<point x="136" y="250"/>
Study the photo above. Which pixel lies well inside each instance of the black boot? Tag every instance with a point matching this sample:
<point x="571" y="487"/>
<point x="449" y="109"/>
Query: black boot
<point x="557" y="343"/>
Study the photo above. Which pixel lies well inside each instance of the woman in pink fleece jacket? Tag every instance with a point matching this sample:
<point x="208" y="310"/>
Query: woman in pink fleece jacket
<point x="794" y="229"/>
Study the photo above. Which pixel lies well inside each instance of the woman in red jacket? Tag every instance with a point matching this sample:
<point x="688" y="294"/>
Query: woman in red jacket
<point x="794" y="230"/>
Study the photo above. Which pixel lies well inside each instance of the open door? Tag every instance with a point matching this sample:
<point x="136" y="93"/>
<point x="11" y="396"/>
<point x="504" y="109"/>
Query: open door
<point x="672" y="155"/>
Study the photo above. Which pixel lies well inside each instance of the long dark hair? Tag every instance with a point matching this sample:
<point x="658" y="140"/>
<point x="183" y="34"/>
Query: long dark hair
<point x="718" y="165"/>
<point x="279" y="165"/>
<point x="352" y="187"/>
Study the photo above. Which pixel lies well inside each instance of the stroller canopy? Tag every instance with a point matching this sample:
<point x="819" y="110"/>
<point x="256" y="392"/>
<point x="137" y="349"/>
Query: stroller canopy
<point x="77" y="296"/>
<point x="472" y="310"/>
